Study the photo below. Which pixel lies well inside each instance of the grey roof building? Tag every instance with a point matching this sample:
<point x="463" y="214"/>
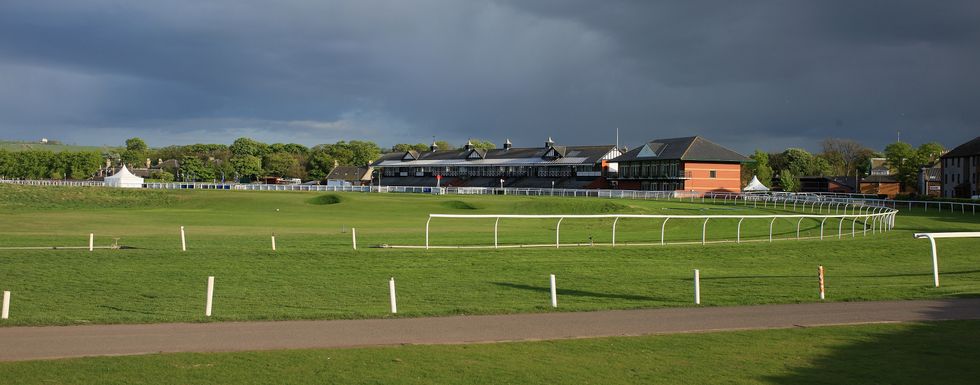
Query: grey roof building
<point x="567" y="166"/>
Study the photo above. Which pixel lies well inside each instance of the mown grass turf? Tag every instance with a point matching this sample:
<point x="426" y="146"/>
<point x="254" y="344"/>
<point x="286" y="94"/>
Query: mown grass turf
<point x="316" y="275"/>
<point x="918" y="353"/>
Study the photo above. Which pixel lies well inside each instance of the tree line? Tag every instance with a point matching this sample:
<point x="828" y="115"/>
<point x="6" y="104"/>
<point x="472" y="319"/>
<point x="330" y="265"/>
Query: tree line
<point x="840" y="157"/>
<point x="245" y="159"/>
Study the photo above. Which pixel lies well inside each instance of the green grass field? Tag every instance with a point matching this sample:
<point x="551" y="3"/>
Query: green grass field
<point x="912" y="353"/>
<point x="24" y="146"/>
<point x="316" y="275"/>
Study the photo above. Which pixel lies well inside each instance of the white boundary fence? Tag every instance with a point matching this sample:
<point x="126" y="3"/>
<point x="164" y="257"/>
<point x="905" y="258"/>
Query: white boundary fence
<point x="932" y="241"/>
<point x="725" y="197"/>
<point x="880" y="219"/>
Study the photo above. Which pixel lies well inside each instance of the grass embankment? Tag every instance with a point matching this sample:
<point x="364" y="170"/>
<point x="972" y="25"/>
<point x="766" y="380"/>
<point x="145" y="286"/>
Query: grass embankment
<point x="316" y="275"/>
<point x="918" y="353"/>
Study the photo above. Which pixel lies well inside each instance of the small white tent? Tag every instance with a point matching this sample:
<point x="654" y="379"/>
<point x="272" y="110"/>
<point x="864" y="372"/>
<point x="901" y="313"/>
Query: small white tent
<point x="755" y="185"/>
<point x="124" y="178"/>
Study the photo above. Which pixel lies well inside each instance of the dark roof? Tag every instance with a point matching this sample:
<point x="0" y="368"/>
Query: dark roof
<point x="932" y="173"/>
<point x="592" y="154"/>
<point x="349" y="173"/>
<point x="694" y="148"/>
<point x="843" y="180"/>
<point x="879" y="179"/>
<point x="970" y="148"/>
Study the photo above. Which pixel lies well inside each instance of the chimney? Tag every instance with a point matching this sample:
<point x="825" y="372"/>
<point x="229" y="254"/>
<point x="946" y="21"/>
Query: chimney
<point x="434" y="146"/>
<point x="550" y="143"/>
<point x="468" y="145"/>
<point x="508" y="144"/>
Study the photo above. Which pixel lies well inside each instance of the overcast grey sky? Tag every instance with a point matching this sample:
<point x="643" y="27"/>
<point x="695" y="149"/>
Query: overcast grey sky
<point x="747" y="74"/>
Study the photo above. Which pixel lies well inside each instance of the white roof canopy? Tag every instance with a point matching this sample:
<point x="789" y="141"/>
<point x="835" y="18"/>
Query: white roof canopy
<point x="124" y="178"/>
<point x="755" y="185"/>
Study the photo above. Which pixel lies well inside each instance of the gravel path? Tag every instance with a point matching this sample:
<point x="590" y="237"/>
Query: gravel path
<point x="33" y="343"/>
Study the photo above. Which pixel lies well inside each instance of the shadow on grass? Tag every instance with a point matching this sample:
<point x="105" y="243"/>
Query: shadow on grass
<point x="578" y="293"/>
<point x="929" y="352"/>
<point x="116" y="308"/>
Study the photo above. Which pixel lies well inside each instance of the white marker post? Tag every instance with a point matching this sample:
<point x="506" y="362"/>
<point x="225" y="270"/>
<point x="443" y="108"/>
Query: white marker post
<point x="820" y="279"/>
<point x="5" y="312"/>
<point x="697" y="287"/>
<point x="353" y="237"/>
<point x="391" y="291"/>
<point x="554" y="292"/>
<point x="273" y="242"/>
<point x="91" y="241"/>
<point x="183" y="241"/>
<point x="207" y="307"/>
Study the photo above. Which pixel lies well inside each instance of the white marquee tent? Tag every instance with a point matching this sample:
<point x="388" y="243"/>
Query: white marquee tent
<point x="124" y="178"/>
<point x="755" y="185"/>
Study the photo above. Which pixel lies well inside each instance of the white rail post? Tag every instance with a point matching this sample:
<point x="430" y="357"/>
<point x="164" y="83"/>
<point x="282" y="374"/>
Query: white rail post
<point x="662" y="228"/>
<point x="207" y="306"/>
<point x="738" y="231"/>
<point x="853" y="221"/>
<point x="614" y="231"/>
<point x="840" y="227"/>
<point x="5" y="311"/>
<point x="273" y="242"/>
<point x="770" y="228"/>
<point x="391" y="292"/>
<point x="353" y="237"/>
<point x="497" y="222"/>
<point x="554" y="292"/>
<point x="558" y="233"/>
<point x="183" y="240"/>
<point x="427" y="232"/>
<point x="798" y="227"/>
<point x="91" y="241"/>
<point x="704" y="231"/>
<point x="697" y="287"/>
<point x="820" y="279"/>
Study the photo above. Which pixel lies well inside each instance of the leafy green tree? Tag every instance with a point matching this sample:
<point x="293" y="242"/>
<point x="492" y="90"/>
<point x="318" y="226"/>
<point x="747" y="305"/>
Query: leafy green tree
<point x="7" y="164"/>
<point x="320" y="161"/>
<point x="278" y="163"/>
<point x="136" y="144"/>
<point x="363" y="152"/>
<point x="247" y="167"/>
<point x="290" y="148"/>
<point x="444" y="145"/>
<point x="405" y="147"/>
<point x="248" y="146"/>
<point x="194" y="169"/>
<point x="907" y="160"/>
<point x="483" y="144"/>
<point x="32" y="164"/>
<point x="760" y="168"/>
<point x="789" y="181"/>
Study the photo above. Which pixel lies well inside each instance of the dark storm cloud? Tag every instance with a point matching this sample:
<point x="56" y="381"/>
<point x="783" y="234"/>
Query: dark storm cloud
<point x="765" y="74"/>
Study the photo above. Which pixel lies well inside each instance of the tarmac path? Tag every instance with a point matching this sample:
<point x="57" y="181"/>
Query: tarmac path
<point x="50" y="342"/>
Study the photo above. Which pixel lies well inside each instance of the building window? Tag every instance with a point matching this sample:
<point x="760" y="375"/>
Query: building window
<point x="713" y="174"/>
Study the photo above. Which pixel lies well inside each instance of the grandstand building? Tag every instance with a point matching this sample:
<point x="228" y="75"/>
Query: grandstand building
<point x="550" y="165"/>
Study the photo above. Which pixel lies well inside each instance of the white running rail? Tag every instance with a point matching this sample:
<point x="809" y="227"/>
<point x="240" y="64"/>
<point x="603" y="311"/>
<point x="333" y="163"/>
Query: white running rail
<point x="932" y="241"/>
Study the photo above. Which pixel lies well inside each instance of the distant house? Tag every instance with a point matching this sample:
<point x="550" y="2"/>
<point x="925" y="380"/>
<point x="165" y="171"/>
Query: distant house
<point x="835" y="184"/>
<point x="350" y="176"/>
<point x="879" y="166"/>
<point x="686" y="164"/>
<point x="886" y="185"/>
<point x="931" y="180"/>
<point x="960" y="170"/>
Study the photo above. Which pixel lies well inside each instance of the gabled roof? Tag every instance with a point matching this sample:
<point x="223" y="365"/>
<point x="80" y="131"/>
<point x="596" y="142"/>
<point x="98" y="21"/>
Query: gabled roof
<point x="971" y="148"/>
<point x="569" y="155"/>
<point x="410" y="155"/>
<point x="477" y="153"/>
<point x="350" y="173"/>
<point x="879" y="179"/>
<point x="693" y="148"/>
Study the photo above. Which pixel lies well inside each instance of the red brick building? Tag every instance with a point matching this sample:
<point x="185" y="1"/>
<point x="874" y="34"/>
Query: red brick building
<point x="680" y="164"/>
